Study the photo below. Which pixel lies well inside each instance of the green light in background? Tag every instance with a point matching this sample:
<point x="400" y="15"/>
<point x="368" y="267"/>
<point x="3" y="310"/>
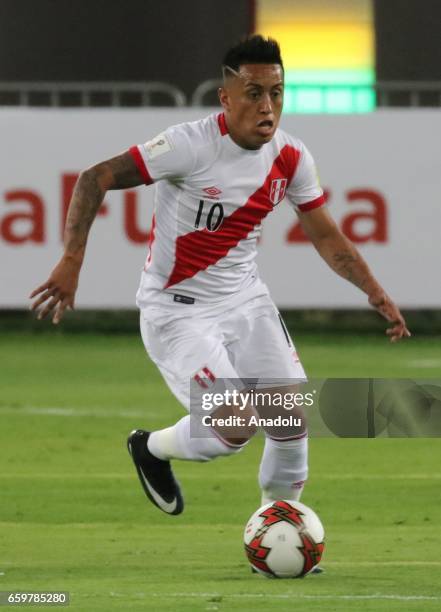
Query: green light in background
<point x="329" y="91"/>
<point x="365" y="100"/>
<point x="338" y="100"/>
<point x="340" y="76"/>
<point x="308" y="100"/>
<point x="328" y="99"/>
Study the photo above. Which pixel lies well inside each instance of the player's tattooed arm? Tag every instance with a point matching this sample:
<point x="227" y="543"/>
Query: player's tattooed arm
<point x="347" y="264"/>
<point x="58" y="292"/>
<point x="120" y="172"/>
<point x="343" y="257"/>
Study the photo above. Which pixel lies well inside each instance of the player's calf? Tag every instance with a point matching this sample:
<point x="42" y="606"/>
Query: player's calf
<point x="234" y="424"/>
<point x="189" y="440"/>
<point x="283" y="469"/>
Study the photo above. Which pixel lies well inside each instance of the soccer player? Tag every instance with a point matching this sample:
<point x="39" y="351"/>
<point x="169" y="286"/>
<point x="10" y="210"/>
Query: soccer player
<point x="205" y="314"/>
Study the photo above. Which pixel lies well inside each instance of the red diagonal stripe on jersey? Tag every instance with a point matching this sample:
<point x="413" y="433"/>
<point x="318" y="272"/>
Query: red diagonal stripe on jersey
<point x="197" y="250"/>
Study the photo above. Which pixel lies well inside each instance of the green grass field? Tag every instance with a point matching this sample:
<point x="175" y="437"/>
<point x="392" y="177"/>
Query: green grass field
<point x="73" y="516"/>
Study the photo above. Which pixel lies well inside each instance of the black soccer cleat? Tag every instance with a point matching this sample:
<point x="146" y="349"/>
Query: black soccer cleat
<point x="155" y="474"/>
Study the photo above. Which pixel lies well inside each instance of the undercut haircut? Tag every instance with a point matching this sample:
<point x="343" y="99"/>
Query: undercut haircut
<point x="253" y="49"/>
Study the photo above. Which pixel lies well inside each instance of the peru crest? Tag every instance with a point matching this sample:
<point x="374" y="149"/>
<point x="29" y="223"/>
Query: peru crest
<point x="277" y="190"/>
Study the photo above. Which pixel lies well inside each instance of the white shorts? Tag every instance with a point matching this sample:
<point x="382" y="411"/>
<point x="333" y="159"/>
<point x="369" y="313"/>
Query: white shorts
<point x="189" y="342"/>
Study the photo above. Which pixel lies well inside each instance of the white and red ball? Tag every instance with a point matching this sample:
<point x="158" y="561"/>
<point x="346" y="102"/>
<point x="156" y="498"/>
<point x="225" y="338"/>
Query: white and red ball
<point x="284" y="539"/>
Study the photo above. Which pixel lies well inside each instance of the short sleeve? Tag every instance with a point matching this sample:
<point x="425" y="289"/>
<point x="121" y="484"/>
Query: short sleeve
<point x="304" y="192"/>
<point x="167" y="156"/>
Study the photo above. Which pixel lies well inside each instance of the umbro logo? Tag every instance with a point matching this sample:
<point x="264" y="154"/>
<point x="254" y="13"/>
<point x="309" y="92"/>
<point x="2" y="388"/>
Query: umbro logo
<point x="212" y="192"/>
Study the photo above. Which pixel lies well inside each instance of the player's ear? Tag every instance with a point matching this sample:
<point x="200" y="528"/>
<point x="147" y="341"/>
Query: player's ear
<point x="224" y="97"/>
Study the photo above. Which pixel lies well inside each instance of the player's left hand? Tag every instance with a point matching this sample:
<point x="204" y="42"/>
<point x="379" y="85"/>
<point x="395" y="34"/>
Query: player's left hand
<point x="390" y="311"/>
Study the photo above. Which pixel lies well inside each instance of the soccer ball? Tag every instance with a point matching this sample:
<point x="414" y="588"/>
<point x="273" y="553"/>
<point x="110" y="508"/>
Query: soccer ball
<point x="284" y="539"/>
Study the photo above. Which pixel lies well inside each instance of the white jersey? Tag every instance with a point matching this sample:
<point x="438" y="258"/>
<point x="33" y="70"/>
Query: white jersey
<point x="211" y="198"/>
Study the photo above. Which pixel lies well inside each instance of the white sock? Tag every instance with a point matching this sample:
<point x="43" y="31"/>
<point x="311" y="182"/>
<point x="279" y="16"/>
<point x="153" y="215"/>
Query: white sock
<point x="283" y="469"/>
<point x="162" y="444"/>
<point x="176" y="442"/>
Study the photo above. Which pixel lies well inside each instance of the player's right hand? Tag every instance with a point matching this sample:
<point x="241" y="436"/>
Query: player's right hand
<point x="390" y="311"/>
<point x="58" y="292"/>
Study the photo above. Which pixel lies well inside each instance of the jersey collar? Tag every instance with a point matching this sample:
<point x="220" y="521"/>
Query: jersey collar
<point x="222" y="123"/>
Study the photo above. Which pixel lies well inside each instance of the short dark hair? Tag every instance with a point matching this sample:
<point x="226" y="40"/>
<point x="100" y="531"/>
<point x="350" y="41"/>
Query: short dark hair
<point x="253" y="49"/>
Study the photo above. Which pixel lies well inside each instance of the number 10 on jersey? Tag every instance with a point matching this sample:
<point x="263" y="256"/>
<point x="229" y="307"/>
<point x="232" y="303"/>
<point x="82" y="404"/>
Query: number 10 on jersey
<point x="214" y="218"/>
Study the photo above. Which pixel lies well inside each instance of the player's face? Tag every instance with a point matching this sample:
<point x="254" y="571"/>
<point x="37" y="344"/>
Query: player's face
<point x="253" y="102"/>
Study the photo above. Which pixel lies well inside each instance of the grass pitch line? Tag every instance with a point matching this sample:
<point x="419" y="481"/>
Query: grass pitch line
<point x="412" y="563"/>
<point x="289" y="595"/>
<point x="106" y="475"/>
<point x="358" y="476"/>
<point x="74" y="412"/>
<point x="424" y="363"/>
